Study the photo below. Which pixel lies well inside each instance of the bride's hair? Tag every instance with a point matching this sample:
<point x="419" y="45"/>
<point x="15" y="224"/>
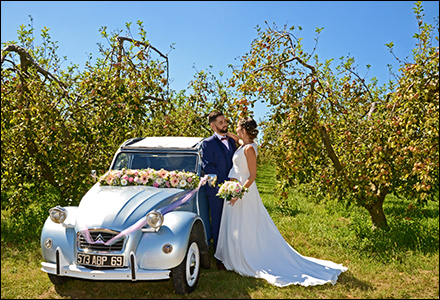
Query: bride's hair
<point x="250" y="126"/>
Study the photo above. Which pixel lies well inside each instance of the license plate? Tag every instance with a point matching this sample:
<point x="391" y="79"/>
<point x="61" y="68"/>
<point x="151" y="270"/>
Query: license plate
<point x="97" y="260"/>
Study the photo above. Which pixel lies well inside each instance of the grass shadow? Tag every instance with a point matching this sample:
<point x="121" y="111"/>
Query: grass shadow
<point x="397" y="207"/>
<point x="411" y="228"/>
<point x="213" y="284"/>
<point x="351" y="282"/>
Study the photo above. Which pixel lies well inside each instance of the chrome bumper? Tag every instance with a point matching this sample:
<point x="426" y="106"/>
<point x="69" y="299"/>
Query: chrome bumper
<point x="112" y="274"/>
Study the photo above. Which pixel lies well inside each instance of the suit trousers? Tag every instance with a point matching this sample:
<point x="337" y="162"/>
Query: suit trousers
<point x="215" y="208"/>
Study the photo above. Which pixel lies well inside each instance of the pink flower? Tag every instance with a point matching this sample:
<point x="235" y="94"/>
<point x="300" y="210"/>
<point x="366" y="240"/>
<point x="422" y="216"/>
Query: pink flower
<point x="130" y="179"/>
<point x="109" y="180"/>
<point x="174" y="181"/>
<point x="162" y="173"/>
<point x="144" y="178"/>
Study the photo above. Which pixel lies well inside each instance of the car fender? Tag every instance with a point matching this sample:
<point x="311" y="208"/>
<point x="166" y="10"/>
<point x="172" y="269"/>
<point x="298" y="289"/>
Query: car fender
<point x="62" y="236"/>
<point x="174" y="232"/>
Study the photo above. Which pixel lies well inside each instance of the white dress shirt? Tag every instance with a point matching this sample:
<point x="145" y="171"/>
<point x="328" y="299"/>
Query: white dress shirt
<point x="225" y="142"/>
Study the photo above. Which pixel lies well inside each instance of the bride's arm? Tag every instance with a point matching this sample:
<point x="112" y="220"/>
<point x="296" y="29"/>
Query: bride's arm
<point x="235" y="137"/>
<point x="251" y="158"/>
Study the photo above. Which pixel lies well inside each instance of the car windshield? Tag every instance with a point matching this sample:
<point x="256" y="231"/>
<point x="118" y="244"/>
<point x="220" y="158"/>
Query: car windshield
<point x="168" y="161"/>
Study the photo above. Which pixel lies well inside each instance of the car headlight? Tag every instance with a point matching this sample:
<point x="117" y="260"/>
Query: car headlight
<point x="155" y="219"/>
<point x="58" y="214"/>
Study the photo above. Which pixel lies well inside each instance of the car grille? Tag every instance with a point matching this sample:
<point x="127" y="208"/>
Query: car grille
<point x="104" y="235"/>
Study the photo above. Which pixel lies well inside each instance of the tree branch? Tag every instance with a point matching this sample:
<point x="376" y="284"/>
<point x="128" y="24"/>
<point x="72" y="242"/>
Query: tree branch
<point x="121" y="39"/>
<point x="330" y="152"/>
<point x="27" y="58"/>
<point x="371" y="111"/>
<point x="362" y="80"/>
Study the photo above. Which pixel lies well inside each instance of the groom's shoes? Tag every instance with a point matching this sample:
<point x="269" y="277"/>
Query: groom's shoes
<point x="220" y="266"/>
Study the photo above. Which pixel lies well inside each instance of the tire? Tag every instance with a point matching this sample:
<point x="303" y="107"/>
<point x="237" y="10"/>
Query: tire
<point x="186" y="275"/>
<point x="57" y="280"/>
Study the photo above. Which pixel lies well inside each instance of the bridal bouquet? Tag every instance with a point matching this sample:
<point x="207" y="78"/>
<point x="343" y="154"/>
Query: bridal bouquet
<point x="231" y="189"/>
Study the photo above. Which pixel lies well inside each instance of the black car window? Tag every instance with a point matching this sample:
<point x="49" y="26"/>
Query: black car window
<point x="170" y="162"/>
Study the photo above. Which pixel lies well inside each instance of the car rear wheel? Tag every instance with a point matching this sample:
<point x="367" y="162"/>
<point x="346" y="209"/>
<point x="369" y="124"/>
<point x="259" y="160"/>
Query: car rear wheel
<point x="57" y="280"/>
<point x="186" y="275"/>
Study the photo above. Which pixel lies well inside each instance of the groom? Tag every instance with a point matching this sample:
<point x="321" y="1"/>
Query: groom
<point x="217" y="152"/>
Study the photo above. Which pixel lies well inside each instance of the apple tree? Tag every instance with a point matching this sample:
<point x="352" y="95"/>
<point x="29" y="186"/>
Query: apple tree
<point x="58" y="124"/>
<point x="338" y="136"/>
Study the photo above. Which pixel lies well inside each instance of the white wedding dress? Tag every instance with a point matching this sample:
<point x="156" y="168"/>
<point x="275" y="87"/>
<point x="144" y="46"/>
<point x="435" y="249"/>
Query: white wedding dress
<point x="250" y="243"/>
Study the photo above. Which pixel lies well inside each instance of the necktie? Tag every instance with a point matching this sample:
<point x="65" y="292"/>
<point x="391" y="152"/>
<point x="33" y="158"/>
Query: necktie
<point x="224" y="138"/>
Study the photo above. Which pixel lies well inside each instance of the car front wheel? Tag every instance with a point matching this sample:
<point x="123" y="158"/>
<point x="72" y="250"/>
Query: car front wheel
<point x="186" y="275"/>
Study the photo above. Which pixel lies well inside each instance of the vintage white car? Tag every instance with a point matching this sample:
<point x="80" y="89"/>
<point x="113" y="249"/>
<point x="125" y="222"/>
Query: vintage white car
<point x="145" y="219"/>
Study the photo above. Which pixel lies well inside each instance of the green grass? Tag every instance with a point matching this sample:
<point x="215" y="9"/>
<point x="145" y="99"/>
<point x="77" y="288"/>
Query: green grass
<point x="400" y="263"/>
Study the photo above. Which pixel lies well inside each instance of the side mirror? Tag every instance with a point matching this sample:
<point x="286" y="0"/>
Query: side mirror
<point x="212" y="180"/>
<point x="93" y="175"/>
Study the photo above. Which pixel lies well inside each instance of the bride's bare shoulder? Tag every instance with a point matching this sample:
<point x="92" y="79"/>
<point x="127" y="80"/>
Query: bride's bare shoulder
<point x="249" y="149"/>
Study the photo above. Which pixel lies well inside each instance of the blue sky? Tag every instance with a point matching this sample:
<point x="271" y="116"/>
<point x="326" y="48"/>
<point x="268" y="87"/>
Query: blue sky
<point x="216" y="33"/>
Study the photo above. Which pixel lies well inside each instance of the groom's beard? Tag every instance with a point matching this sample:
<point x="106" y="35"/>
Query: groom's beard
<point x="222" y="130"/>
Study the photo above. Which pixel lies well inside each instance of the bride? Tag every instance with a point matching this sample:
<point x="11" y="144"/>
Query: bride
<point x="249" y="242"/>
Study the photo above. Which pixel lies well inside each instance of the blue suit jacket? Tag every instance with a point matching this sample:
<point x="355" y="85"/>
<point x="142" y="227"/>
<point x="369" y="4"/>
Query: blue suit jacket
<point x="217" y="159"/>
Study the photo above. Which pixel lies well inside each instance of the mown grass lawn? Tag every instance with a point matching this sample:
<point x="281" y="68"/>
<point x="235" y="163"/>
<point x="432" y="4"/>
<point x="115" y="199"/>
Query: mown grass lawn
<point x="400" y="263"/>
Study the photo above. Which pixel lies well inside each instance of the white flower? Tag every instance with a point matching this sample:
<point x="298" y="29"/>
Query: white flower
<point x="182" y="183"/>
<point x="124" y="182"/>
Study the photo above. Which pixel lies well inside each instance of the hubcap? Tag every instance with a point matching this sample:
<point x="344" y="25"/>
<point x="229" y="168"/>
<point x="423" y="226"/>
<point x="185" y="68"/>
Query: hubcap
<point x="192" y="264"/>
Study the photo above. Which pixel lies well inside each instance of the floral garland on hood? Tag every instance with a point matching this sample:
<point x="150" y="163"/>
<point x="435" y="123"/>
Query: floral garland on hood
<point x="150" y="177"/>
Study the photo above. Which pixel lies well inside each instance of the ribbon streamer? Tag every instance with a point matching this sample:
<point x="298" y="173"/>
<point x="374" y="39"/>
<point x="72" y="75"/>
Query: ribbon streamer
<point x="143" y="221"/>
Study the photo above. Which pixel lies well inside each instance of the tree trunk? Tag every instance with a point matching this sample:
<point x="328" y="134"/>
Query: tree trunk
<point x="377" y="214"/>
<point x="330" y="152"/>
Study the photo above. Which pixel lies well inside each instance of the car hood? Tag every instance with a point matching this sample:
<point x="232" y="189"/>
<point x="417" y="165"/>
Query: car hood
<point x="118" y="207"/>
